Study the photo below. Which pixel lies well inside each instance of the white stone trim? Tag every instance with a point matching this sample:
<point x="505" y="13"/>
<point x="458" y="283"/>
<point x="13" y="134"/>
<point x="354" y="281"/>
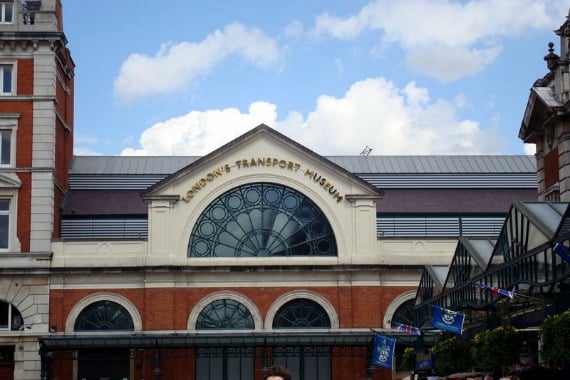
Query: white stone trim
<point x="395" y="304"/>
<point x="225" y="294"/>
<point x="301" y="293"/>
<point x="121" y="300"/>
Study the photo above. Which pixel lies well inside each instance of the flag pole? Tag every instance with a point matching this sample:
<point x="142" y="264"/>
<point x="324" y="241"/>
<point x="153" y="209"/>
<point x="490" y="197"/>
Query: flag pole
<point x="514" y="294"/>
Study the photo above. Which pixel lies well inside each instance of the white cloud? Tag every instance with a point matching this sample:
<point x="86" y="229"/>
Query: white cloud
<point x="198" y="133"/>
<point x="294" y="29"/>
<point x="530" y="149"/>
<point x="176" y="65"/>
<point x="85" y="151"/>
<point x="373" y="113"/>
<point x="449" y="65"/>
<point x="445" y="39"/>
<point x="461" y="101"/>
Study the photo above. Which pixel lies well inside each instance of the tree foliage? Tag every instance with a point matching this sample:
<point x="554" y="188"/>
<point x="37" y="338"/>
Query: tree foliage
<point x="451" y="355"/>
<point x="556" y="335"/>
<point x="497" y="348"/>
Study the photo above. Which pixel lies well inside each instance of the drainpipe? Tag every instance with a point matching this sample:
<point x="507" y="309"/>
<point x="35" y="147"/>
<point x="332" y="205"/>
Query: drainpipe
<point x="157" y="371"/>
<point x="43" y="363"/>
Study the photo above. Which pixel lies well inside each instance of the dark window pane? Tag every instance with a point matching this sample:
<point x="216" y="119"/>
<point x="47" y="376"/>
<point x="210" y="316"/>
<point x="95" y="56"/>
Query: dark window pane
<point x="4" y="228"/>
<point x="5" y="147"/>
<point x="108" y="363"/>
<point x="4" y="318"/>
<point x="17" y="320"/>
<point x="7" y="79"/>
<point x="9" y="12"/>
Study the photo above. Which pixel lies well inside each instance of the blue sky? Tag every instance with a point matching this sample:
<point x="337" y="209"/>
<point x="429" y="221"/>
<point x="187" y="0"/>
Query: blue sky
<point x="410" y="77"/>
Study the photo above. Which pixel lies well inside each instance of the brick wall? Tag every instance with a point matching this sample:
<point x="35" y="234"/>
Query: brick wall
<point x="169" y="308"/>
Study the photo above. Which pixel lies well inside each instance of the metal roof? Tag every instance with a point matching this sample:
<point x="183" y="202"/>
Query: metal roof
<point x="132" y="165"/>
<point x="148" y="165"/>
<point x="437" y="164"/>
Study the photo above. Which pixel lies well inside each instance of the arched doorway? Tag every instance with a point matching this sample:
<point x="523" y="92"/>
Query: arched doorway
<point x="103" y="363"/>
<point x="307" y="362"/>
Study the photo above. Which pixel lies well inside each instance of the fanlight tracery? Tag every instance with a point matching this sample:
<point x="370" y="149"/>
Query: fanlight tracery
<point x="104" y="315"/>
<point x="260" y="220"/>
<point x="301" y="314"/>
<point x="225" y="314"/>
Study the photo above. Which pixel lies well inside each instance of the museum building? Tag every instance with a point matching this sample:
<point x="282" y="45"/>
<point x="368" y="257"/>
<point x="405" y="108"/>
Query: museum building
<point x="215" y="267"/>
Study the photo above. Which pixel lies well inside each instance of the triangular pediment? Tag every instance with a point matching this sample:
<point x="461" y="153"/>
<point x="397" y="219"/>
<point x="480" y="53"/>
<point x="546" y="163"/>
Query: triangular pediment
<point x="9" y="181"/>
<point x="263" y="150"/>
<point x="539" y="108"/>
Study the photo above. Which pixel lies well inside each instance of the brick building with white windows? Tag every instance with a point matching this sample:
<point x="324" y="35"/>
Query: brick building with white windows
<point x="211" y="267"/>
<point x="36" y="146"/>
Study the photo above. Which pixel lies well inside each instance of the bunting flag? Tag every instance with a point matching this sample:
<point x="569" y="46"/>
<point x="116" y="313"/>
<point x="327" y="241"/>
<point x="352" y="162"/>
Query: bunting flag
<point x="383" y="352"/>
<point x="447" y="320"/>
<point x="494" y="289"/>
<point x="407" y="328"/>
<point x="562" y="251"/>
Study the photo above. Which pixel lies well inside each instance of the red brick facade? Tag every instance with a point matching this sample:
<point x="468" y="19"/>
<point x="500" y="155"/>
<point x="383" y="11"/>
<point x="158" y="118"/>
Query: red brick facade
<point x="169" y="308"/>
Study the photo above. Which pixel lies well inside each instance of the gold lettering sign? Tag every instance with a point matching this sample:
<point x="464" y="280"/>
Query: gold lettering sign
<point x="204" y="181"/>
<point x="267" y="162"/>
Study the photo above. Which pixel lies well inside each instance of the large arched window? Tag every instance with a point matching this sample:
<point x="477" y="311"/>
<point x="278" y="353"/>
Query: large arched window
<point x="301" y="314"/>
<point x="225" y="314"/>
<point x="262" y="219"/>
<point x="104" y="315"/>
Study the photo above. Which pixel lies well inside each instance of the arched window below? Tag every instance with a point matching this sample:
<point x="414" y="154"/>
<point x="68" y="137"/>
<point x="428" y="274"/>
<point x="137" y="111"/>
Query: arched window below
<point x="301" y="314"/>
<point x="225" y="314"/>
<point x="104" y="315"/>
<point x="408" y="314"/>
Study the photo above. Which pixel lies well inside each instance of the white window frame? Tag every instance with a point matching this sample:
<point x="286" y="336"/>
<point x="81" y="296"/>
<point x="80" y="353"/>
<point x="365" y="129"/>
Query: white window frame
<point x="12" y="65"/>
<point x="13" y="242"/>
<point x="3" y="7"/>
<point x="9" y="122"/>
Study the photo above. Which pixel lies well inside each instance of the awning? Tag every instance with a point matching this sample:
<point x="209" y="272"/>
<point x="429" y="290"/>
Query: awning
<point x="186" y="340"/>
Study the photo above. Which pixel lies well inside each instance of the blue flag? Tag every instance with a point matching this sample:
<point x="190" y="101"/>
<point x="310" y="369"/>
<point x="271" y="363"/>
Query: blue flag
<point x="562" y="251"/>
<point x="447" y="320"/>
<point x="383" y="352"/>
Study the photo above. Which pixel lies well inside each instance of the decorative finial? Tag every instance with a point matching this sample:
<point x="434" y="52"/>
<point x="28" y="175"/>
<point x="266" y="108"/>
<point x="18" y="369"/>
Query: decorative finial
<point x="551" y="58"/>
